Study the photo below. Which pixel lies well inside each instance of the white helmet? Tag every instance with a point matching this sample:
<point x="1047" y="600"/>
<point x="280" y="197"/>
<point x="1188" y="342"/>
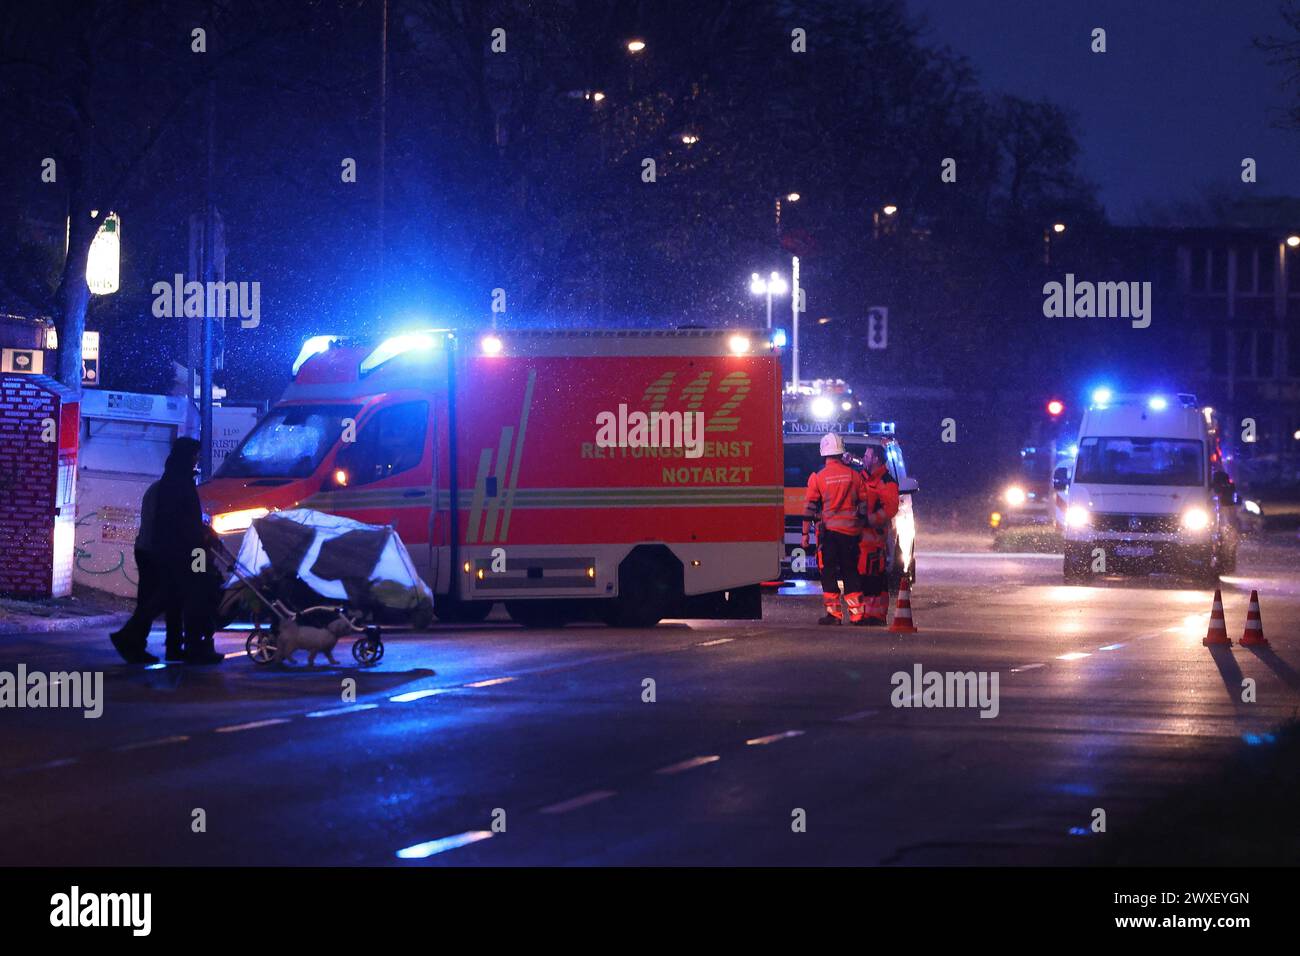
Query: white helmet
<point x="832" y="444"/>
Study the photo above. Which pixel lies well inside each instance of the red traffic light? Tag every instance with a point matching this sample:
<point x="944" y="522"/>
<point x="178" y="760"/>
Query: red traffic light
<point x="1055" y="407"/>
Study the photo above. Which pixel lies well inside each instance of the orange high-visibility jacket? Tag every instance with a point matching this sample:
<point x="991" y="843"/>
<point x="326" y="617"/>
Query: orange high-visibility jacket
<point x="835" y="496"/>
<point x="881" y="506"/>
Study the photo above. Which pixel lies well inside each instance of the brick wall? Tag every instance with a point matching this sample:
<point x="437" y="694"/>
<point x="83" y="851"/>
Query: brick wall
<point x="28" y="485"/>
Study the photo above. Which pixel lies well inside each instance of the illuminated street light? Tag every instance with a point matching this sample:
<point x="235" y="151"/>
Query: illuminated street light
<point x="1293" y="241"/>
<point x="598" y="96"/>
<point x="772" y="285"/>
<point x="690" y="139"/>
<point x="792" y="197"/>
<point x="635" y="46"/>
<point x="889" y="210"/>
<point x="1057" y="228"/>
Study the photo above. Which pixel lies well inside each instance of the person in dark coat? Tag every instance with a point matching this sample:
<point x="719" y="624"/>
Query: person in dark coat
<point x="175" y="575"/>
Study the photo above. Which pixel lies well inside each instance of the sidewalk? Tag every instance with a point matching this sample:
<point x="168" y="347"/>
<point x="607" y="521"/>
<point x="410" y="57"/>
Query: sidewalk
<point x="86" y="608"/>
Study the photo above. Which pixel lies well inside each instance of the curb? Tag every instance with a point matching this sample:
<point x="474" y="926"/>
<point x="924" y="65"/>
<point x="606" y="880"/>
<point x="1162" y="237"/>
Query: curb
<point x="44" y="625"/>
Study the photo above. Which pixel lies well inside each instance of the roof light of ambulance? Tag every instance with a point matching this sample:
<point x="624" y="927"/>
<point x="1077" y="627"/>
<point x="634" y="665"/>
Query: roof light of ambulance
<point x="313" y="346"/>
<point x="232" y="521"/>
<point x="1158" y="403"/>
<point x="739" y="344"/>
<point x="778" y="339"/>
<point x="1101" y="396"/>
<point x="821" y="407"/>
<point x="491" y="345"/>
<point x="397" y="345"/>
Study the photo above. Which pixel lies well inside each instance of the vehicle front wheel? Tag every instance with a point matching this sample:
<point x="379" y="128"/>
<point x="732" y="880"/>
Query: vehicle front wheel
<point x="1075" y="565"/>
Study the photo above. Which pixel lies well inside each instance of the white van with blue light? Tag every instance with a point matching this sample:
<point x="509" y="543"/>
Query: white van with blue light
<point x="1148" y="490"/>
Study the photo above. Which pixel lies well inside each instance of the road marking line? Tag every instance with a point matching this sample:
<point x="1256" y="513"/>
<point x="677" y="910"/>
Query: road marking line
<point x="418" y="695"/>
<point x="685" y="765"/>
<point x="1110" y="647"/>
<point x="859" y="715"/>
<point x="180" y="738"/>
<point x="586" y="799"/>
<point x="1025" y="667"/>
<point x="252" y="725"/>
<point x="342" y="710"/>
<point x="421" y="851"/>
<point x="773" y="738"/>
<point x="1073" y="656"/>
<point x="721" y="640"/>
<point x="490" y="683"/>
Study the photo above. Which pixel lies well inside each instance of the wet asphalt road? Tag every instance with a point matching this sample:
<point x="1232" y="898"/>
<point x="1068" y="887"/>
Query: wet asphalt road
<point x="1107" y="699"/>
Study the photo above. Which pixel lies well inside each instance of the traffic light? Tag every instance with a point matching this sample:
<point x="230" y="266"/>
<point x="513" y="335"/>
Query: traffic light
<point x="1055" y="407"/>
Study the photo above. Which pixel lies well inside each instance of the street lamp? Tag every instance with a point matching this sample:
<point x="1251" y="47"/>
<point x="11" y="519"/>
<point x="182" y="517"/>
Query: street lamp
<point x="690" y="139"/>
<point x="1293" y="241"/>
<point x="788" y="197"/>
<point x="772" y="285"/>
<point x="635" y="45"/>
<point x="889" y="210"/>
<point x="1057" y="228"/>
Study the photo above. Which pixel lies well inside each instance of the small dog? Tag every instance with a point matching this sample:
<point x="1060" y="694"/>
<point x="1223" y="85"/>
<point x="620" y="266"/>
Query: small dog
<point x="295" y="634"/>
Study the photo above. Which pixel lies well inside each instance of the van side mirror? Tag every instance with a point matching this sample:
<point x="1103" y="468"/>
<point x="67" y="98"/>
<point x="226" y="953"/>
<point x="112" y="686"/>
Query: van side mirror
<point x="908" y="486"/>
<point x="1061" y="478"/>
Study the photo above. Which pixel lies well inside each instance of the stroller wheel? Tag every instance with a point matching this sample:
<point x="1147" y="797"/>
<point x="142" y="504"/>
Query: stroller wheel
<point x="368" y="650"/>
<point x="260" y="646"/>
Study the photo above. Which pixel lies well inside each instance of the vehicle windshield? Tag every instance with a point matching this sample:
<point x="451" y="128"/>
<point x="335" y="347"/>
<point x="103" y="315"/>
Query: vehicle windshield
<point x="1139" y="461"/>
<point x="288" y="443"/>
<point x="803" y="458"/>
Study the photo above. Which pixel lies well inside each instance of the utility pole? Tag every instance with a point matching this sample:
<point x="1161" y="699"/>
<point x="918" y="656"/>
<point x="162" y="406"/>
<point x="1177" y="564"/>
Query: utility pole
<point x="208" y="273"/>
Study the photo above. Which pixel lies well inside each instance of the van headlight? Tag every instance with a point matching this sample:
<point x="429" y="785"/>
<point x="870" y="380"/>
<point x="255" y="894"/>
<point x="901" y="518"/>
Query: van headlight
<point x="1196" y="519"/>
<point x="1077" y="516"/>
<point x="232" y="521"/>
<point x="1014" y="496"/>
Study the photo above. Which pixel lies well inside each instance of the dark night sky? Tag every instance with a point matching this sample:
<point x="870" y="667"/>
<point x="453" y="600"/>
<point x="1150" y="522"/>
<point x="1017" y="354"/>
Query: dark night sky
<point x="1178" y="100"/>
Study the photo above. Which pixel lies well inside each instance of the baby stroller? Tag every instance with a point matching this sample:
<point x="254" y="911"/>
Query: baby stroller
<point x="261" y="645"/>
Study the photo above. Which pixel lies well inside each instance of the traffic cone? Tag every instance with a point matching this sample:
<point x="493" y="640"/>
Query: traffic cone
<point x="902" y="622"/>
<point x="1218" y="632"/>
<point x="1253" y="636"/>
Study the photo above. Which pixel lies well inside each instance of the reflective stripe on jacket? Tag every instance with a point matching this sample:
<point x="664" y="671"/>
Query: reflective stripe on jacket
<point x="834" y="496"/>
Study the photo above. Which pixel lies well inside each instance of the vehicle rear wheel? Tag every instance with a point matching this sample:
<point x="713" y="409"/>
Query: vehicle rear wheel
<point x="455" y="611"/>
<point x="538" y="613"/>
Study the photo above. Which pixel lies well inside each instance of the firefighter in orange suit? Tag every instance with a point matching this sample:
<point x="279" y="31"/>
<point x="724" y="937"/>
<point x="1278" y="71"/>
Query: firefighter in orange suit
<point x="835" y="500"/>
<point x="881" y="506"/>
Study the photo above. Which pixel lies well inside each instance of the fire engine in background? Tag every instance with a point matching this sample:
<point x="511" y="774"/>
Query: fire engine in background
<point x="489" y="460"/>
<point x="802" y="458"/>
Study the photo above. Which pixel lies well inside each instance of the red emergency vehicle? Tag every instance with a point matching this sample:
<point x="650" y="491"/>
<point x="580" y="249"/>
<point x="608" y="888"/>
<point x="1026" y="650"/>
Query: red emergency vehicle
<point x="488" y="457"/>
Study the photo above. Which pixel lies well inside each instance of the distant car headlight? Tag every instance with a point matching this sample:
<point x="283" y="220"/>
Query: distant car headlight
<point x="822" y="407"/>
<point x="1196" y="519"/>
<point x="1014" y="496"/>
<point x="1077" y="516"/>
<point x="1252" y="507"/>
<point x="232" y="521"/>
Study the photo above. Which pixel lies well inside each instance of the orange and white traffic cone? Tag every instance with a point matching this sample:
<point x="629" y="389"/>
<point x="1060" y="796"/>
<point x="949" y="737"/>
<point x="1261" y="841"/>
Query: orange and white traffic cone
<point x="1218" y="631"/>
<point x="902" y="622"/>
<point x="1253" y="636"/>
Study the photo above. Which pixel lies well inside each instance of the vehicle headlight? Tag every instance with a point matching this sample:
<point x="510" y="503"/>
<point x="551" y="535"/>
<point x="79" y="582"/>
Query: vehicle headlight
<point x="1077" y="516"/>
<point x="1196" y="519"/>
<point x="237" y="520"/>
<point x="822" y="407"/>
<point x="1252" y="506"/>
<point x="1014" y="496"/>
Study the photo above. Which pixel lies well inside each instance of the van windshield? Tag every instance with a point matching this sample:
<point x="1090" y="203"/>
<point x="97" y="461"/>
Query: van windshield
<point x="803" y="458"/>
<point x="1139" y="461"/>
<point x="289" y="442"/>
